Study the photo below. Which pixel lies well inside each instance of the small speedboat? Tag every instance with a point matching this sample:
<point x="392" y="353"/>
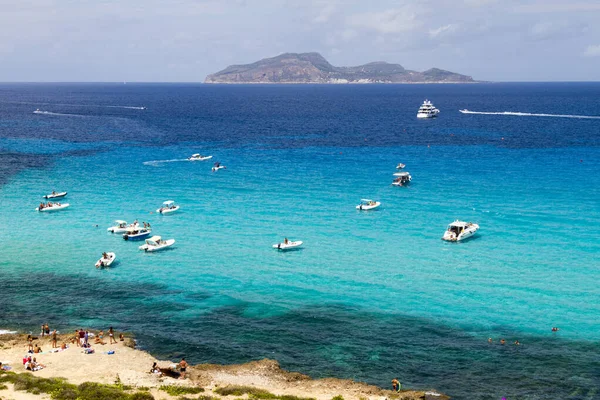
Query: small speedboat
<point x="287" y="245"/>
<point x="400" y="166"/>
<point x="465" y="111"/>
<point x="218" y="166"/>
<point x="367" y="204"/>
<point x="137" y="232"/>
<point x="155" y="243"/>
<point x="402" y="179"/>
<point x="460" y="230"/>
<point x="199" y="157"/>
<point x="55" y="195"/>
<point x="49" y="207"/>
<point x="120" y="227"/>
<point x="168" y="207"/>
<point x="106" y="260"/>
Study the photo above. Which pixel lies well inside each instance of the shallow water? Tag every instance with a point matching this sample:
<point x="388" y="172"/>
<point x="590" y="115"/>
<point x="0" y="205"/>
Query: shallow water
<point x="371" y="295"/>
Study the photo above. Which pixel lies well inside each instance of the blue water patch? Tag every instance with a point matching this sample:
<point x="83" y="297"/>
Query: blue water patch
<point x="371" y="295"/>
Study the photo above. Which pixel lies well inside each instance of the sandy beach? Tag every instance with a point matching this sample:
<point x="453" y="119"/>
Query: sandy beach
<point x="132" y="367"/>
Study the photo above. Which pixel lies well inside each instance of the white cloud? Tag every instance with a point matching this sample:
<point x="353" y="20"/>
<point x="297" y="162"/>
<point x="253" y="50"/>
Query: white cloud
<point x="592" y="51"/>
<point x="325" y="14"/>
<point x="387" y="22"/>
<point x="442" y="31"/>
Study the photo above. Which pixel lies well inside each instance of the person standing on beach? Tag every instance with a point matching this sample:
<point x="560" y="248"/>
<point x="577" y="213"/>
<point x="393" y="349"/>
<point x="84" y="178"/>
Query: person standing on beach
<point x="81" y="337"/>
<point x="29" y="343"/>
<point x="54" y="346"/>
<point x="46" y="329"/>
<point x="42" y="330"/>
<point x="396" y="385"/>
<point x="182" y="368"/>
<point x="86" y="337"/>
<point x="111" y="335"/>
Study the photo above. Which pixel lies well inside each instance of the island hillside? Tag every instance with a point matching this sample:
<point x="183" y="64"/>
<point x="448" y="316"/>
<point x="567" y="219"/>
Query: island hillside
<point x="314" y="68"/>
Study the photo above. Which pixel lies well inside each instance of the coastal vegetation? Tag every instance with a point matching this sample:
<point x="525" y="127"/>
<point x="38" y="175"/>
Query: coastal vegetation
<point x="60" y="389"/>
<point x="174" y="390"/>
<point x="255" y="393"/>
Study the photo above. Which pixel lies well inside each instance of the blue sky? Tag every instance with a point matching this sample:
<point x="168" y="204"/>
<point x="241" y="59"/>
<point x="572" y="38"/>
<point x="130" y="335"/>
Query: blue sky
<point x="184" y="40"/>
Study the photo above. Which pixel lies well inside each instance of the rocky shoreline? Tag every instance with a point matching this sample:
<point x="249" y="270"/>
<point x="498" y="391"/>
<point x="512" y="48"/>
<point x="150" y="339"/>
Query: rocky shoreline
<point x="131" y="366"/>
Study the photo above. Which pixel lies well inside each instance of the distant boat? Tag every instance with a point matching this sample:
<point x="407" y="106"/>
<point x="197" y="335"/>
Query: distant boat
<point x="287" y="245"/>
<point x="402" y="179"/>
<point x="168" y="207"/>
<point x="465" y="111"/>
<point x="137" y="233"/>
<point x="106" y="260"/>
<point x="51" y="207"/>
<point x="155" y="243"/>
<point x="367" y="204"/>
<point x="427" y="110"/>
<point x="400" y="166"/>
<point x="121" y="227"/>
<point x="199" y="157"/>
<point x="460" y="230"/>
<point x="55" y="195"/>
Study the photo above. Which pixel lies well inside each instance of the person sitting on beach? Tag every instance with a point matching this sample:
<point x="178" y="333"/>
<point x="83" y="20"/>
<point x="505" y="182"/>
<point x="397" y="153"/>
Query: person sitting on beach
<point x="35" y="366"/>
<point x="98" y="339"/>
<point x="155" y="369"/>
<point x="64" y="346"/>
<point x="182" y="368"/>
<point x="121" y="338"/>
<point x="37" y="349"/>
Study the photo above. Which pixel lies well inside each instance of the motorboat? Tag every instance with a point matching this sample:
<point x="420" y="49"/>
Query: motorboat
<point x="120" y="227"/>
<point x="287" y="245"/>
<point x="155" y="243"/>
<point x="427" y="110"/>
<point x="465" y="111"/>
<point x="367" y="204"/>
<point x="137" y="232"/>
<point x="106" y="260"/>
<point x="402" y="179"/>
<point x="55" y="195"/>
<point x="218" y="166"/>
<point x="49" y="207"/>
<point x="400" y="166"/>
<point x="168" y="207"/>
<point x="460" y="230"/>
<point x="199" y="157"/>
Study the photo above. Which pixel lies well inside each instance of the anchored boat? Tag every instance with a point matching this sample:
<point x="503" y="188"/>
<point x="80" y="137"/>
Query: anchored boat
<point x="460" y="230"/>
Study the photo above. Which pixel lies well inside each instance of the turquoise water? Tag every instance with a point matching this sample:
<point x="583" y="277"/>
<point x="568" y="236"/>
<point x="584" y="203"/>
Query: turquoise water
<point x="371" y="295"/>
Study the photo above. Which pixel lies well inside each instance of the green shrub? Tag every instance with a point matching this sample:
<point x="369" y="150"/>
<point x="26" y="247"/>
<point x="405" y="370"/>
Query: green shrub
<point x="338" y="397"/>
<point x="291" y="397"/>
<point x="174" y="390"/>
<point x="206" y="397"/>
<point x="141" y="396"/>
<point x="236" y="390"/>
<point x="2" y="387"/>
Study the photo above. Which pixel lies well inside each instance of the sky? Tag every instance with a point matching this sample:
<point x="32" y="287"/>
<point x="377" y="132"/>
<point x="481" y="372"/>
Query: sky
<point x="185" y="40"/>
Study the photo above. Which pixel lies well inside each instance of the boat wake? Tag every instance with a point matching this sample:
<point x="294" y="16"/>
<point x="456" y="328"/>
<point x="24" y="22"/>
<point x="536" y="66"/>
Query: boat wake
<point x="58" y="114"/>
<point x="76" y="105"/>
<point x="524" y="114"/>
<point x="156" y="163"/>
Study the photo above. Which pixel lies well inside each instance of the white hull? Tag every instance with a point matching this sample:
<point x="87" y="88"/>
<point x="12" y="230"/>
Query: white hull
<point x="102" y="263"/>
<point x="200" y="158"/>
<point x="365" y="207"/>
<point x="422" y="115"/>
<point x="400" y="166"/>
<point x="288" y="246"/>
<point x="116" y="229"/>
<point x="163" y="245"/>
<point x="55" y="196"/>
<point x="53" y="208"/>
<point x="214" y="169"/>
<point x="466" y="233"/>
<point x="166" y="211"/>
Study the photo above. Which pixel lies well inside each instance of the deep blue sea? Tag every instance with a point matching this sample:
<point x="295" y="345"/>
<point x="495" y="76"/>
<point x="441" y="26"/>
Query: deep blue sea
<point x="372" y="295"/>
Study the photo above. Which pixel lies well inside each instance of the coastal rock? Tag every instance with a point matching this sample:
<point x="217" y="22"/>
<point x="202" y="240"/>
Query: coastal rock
<point x="314" y="68"/>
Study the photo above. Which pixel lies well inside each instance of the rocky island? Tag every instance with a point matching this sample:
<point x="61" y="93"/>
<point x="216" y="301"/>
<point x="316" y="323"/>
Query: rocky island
<point x="314" y="68"/>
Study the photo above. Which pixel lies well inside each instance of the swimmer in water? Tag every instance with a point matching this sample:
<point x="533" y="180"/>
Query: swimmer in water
<point x="490" y="340"/>
<point x="502" y="341"/>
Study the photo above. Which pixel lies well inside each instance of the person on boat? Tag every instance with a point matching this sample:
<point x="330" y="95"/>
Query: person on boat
<point x="555" y="329"/>
<point x="105" y="256"/>
<point x="286" y="241"/>
<point x="41" y="207"/>
<point x="53" y="192"/>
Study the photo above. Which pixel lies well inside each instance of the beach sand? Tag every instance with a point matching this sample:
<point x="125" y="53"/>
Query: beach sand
<point x="131" y="367"/>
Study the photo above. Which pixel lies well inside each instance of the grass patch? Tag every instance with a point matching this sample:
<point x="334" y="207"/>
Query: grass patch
<point x="3" y="386"/>
<point x="338" y="397"/>
<point x="255" y="393"/>
<point x="60" y="389"/>
<point x="174" y="390"/>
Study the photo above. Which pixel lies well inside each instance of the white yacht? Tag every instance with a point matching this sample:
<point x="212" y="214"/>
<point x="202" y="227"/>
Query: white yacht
<point x="156" y="243"/>
<point x="168" y="207"/>
<point x="402" y="179"/>
<point x="367" y="204"/>
<point x="427" y="110"/>
<point x="460" y="230"/>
